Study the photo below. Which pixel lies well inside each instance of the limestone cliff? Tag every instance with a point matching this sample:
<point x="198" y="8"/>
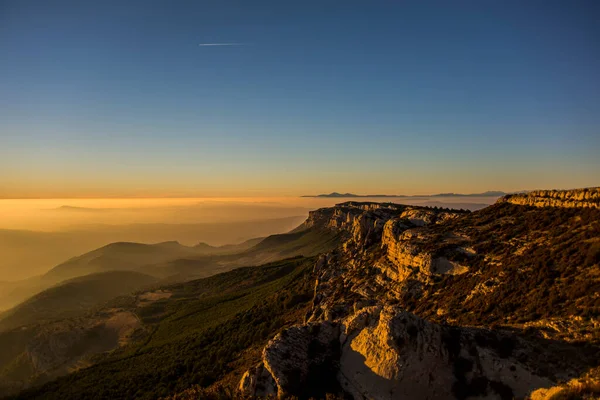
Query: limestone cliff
<point x="407" y="249"/>
<point x="588" y="197"/>
<point x="364" y="222"/>
<point x="386" y="353"/>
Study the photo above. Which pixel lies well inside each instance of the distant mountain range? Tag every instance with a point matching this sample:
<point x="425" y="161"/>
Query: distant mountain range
<point x="490" y="193"/>
<point x="346" y="195"/>
<point x="336" y="194"/>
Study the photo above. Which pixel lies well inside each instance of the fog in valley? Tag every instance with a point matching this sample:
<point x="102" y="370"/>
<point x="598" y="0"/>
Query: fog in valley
<point x="37" y="234"/>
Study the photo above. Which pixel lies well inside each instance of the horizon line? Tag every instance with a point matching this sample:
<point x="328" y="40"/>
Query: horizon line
<point x="223" y="197"/>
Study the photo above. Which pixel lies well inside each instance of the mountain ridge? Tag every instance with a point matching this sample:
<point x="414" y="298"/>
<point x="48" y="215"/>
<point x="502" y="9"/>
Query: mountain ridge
<point x="490" y="193"/>
<point x="403" y="301"/>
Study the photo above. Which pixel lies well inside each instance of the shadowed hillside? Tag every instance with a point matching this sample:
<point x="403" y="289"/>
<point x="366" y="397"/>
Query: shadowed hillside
<point x="119" y="256"/>
<point x="308" y="242"/>
<point x="55" y="312"/>
<point x="171" y="261"/>
<point x="28" y="253"/>
<point x="73" y="297"/>
<point x="180" y="336"/>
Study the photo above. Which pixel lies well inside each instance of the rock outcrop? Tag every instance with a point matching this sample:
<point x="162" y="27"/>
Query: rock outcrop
<point x="407" y="249"/>
<point x="364" y="223"/>
<point x="361" y="222"/>
<point x="387" y="353"/>
<point x="588" y="197"/>
<point x="297" y="359"/>
<point x="259" y="382"/>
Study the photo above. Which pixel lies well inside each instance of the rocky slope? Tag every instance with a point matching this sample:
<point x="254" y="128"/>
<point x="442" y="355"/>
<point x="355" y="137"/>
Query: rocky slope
<point x="424" y="303"/>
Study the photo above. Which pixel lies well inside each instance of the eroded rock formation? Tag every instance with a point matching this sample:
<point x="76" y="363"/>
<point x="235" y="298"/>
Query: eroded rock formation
<point x="386" y="353"/>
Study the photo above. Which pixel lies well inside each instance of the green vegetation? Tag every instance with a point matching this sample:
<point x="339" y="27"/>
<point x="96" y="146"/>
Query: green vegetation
<point x="67" y="327"/>
<point x="308" y="242"/>
<point x="305" y="243"/>
<point x="196" y="336"/>
<point x="535" y="263"/>
<point x="73" y="297"/>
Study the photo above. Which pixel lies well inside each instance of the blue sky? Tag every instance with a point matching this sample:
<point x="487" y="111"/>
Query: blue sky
<point x="365" y="96"/>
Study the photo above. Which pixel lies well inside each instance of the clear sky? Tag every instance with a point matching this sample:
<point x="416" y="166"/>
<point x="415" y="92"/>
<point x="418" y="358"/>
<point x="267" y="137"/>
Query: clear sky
<point x="118" y="98"/>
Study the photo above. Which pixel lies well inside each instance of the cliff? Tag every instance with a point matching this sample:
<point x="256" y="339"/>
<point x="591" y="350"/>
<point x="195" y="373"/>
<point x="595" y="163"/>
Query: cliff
<point x="425" y="303"/>
<point x="587" y="197"/>
<point x="387" y="353"/>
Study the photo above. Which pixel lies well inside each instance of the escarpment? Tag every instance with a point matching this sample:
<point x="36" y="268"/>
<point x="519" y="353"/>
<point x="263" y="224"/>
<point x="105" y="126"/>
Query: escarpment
<point x="384" y="352"/>
<point x="588" y="197"/>
<point x="364" y="223"/>
<point x="424" y="303"/>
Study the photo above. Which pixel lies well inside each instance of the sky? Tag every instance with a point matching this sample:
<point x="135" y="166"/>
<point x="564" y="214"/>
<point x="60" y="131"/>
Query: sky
<point x="125" y="99"/>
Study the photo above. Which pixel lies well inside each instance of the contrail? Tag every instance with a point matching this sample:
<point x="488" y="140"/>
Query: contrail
<point x="221" y="44"/>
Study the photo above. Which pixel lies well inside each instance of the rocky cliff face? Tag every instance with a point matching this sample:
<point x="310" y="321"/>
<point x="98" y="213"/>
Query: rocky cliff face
<point x="384" y="352"/>
<point x="588" y="197"/>
<point x="383" y="323"/>
<point x="407" y="249"/>
<point x="364" y="222"/>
